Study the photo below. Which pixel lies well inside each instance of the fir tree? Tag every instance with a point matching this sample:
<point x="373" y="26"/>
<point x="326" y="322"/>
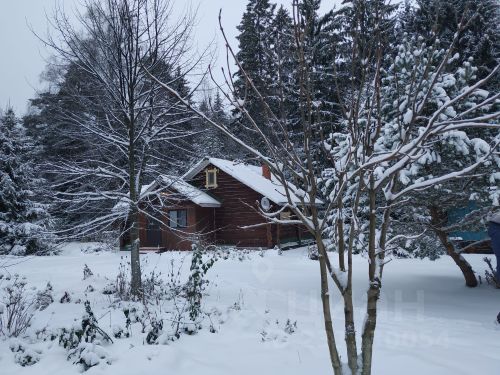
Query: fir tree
<point x="429" y="208"/>
<point x="255" y="59"/>
<point x="480" y="38"/>
<point x="209" y="141"/>
<point x="24" y="221"/>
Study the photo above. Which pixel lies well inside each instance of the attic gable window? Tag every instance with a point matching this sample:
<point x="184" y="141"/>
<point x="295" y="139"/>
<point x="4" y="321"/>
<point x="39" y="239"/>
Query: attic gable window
<point x="211" y="178"/>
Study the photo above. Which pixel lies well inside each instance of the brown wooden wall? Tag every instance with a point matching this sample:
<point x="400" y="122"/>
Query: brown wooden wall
<point x="240" y="208"/>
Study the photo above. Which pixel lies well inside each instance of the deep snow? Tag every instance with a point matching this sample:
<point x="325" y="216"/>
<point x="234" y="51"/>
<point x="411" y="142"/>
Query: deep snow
<point x="429" y="322"/>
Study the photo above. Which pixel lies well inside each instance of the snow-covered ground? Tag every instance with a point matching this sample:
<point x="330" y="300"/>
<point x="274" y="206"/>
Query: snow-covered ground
<point x="429" y="322"/>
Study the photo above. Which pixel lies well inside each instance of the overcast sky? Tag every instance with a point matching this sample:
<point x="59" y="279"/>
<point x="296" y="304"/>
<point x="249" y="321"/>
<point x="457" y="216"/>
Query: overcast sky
<point x="23" y="56"/>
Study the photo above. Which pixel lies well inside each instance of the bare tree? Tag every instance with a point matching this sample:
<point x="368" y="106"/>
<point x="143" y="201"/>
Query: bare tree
<point x="135" y="126"/>
<point x="386" y="135"/>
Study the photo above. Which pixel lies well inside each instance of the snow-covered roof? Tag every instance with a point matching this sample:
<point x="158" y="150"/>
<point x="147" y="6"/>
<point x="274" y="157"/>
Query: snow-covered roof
<point x="190" y="192"/>
<point x="251" y="176"/>
<point x="185" y="189"/>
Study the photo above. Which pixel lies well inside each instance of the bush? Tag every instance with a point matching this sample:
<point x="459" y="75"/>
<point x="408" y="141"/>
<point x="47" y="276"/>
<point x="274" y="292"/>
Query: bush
<point x="17" y="307"/>
<point x="196" y="283"/>
<point x="109" y="289"/>
<point x="44" y="297"/>
<point x="24" y="356"/>
<point x="312" y="252"/>
<point x="119" y="332"/>
<point x="89" y="354"/>
<point x="87" y="272"/>
<point x="65" y="298"/>
<point x="84" y="342"/>
<point x="155" y="331"/>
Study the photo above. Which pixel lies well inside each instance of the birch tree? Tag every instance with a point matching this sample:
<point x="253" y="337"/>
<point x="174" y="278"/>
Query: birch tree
<point x="135" y="125"/>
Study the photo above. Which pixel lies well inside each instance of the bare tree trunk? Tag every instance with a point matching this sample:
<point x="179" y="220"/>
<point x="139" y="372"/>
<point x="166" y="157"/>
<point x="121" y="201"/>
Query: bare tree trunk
<point x="369" y="328"/>
<point x="350" y="331"/>
<point x="327" y="314"/>
<point x="374" y="289"/>
<point x="468" y="273"/>
<point x="135" y="262"/>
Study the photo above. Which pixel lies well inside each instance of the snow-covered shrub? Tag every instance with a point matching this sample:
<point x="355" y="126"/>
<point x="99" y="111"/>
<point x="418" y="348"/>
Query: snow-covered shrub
<point x="243" y="255"/>
<point x="92" y="248"/>
<point x="89" y="289"/>
<point x="90" y="354"/>
<point x="122" y="287"/>
<point x="279" y="250"/>
<point x="312" y="252"/>
<point x="85" y="341"/>
<point x="87" y="272"/>
<point x="290" y="327"/>
<point x="275" y="332"/>
<point x="119" y="332"/>
<point x="17" y="307"/>
<point x="174" y="282"/>
<point x="155" y="331"/>
<point x="103" y="241"/>
<point x="65" y="298"/>
<point x="197" y="283"/>
<point x="44" y="297"/>
<point x="154" y="289"/>
<point x="24" y="356"/>
<point x="489" y="274"/>
<point x="133" y="313"/>
<point x="109" y="288"/>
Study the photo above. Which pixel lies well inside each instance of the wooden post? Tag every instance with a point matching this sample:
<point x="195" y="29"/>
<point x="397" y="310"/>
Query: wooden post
<point x="278" y="235"/>
<point x="269" y="236"/>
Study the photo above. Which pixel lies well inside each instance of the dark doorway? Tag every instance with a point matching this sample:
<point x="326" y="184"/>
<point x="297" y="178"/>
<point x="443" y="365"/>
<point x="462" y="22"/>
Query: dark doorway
<point x="153" y="233"/>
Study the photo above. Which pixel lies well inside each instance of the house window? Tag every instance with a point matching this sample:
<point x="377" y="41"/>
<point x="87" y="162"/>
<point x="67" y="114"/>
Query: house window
<point x="177" y="219"/>
<point x="211" y="178"/>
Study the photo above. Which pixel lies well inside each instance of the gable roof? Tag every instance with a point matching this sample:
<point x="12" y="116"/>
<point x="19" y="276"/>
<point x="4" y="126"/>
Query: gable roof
<point x="249" y="175"/>
<point x="190" y="192"/>
<point x="184" y="188"/>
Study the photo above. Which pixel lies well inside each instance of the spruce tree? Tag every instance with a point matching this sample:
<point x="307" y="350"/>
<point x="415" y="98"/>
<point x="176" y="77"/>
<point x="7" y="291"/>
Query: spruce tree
<point x="255" y="59"/>
<point x="210" y="141"/>
<point x="284" y="88"/>
<point x="480" y="39"/>
<point x="24" y="221"/>
<point x="432" y="209"/>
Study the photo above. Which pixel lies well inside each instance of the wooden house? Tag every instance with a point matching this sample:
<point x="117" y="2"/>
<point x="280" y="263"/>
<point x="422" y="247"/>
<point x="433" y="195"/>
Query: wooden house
<point x="218" y="201"/>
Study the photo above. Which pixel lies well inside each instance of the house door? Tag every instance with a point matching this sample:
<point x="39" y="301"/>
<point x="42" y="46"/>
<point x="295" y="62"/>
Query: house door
<point x="153" y="233"/>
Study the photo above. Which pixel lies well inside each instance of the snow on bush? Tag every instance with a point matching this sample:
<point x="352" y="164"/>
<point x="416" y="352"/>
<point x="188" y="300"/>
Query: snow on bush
<point x="275" y="331"/>
<point x="44" y="297"/>
<point x="90" y="354"/>
<point x="17" y="307"/>
<point x="85" y="341"/>
<point x="23" y="355"/>
<point x="87" y="272"/>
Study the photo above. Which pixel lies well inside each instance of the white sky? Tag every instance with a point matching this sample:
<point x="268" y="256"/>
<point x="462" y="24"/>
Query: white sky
<point x="23" y="56"/>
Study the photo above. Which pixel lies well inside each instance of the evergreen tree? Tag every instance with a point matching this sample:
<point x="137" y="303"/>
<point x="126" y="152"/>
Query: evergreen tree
<point x="475" y="54"/>
<point x="480" y="38"/>
<point x="24" y="221"/>
<point x="210" y="141"/>
<point x="255" y="59"/>
<point x="430" y="208"/>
